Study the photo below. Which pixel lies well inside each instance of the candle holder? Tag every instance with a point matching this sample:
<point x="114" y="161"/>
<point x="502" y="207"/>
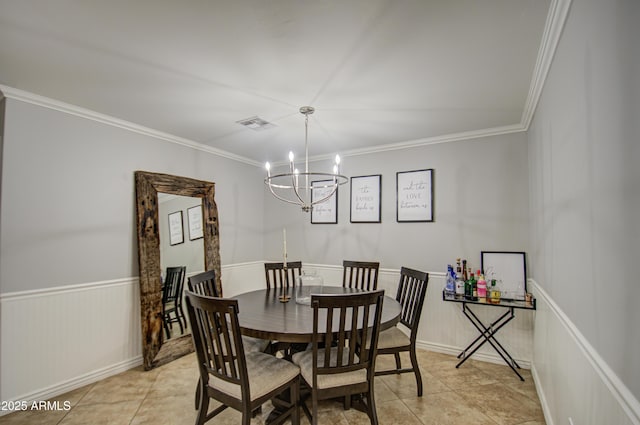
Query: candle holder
<point x="284" y="298"/>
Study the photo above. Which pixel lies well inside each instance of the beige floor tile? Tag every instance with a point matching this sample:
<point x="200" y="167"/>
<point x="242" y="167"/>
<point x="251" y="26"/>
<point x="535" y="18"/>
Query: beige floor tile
<point x="174" y="410"/>
<point x="446" y="409"/>
<point x="462" y="377"/>
<point x="503" y="404"/>
<point x="33" y="417"/>
<point x="119" y="413"/>
<point x="174" y="382"/>
<point x="130" y="385"/>
<point x="404" y="385"/>
<point x="382" y="391"/>
<point x="389" y="413"/>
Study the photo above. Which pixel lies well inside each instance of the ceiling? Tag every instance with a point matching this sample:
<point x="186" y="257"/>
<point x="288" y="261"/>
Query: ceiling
<point x="380" y="73"/>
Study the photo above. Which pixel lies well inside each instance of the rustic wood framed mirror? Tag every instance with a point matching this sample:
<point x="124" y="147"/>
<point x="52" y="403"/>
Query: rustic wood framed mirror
<point x="155" y="350"/>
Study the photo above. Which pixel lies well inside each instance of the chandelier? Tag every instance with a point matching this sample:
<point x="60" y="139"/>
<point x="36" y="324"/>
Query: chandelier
<point x="296" y="187"/>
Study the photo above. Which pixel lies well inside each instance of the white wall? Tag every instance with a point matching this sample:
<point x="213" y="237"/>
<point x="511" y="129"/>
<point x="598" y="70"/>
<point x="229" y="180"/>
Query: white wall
<point x="584" y="202"/>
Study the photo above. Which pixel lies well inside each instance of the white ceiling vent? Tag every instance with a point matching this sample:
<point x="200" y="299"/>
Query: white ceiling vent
<point x="256" y="123"/>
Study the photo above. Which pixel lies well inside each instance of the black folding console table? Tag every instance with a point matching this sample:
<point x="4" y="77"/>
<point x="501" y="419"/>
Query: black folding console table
<point x="488" y="332"/>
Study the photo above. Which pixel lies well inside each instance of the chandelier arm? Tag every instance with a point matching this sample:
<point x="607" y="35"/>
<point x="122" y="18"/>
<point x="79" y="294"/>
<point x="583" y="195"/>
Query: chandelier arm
<point x="280" y="197"/>
<point x="294" y="183"/>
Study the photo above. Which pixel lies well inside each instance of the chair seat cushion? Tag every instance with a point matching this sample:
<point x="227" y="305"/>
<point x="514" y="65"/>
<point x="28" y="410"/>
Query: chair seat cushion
<point x="252" y="344"/>
<point x="393" y="337"/>
<point x="304" y="359"/>
<point x="266" y="373"/>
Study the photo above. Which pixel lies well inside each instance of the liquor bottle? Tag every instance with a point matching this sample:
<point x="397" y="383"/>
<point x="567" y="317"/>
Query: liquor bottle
<point x="482" y="287"/>
<point x="468" y="289"/>
<point x="474" y="288"/>
<point x="450" y="286"/>
<point x="494" y="292"/>
<point x="459" y="285"/>
<point x="464" y="270"/>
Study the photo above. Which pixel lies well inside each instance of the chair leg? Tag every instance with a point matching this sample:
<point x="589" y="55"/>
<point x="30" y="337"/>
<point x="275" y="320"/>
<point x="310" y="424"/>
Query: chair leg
<point x="165" y="322"/>
<point x="398" y="362"/>
<point x="203" y="408"/>
<point x="371" y="407"/>
<point x="314" y="404"/>
<point x="416" y="370"/>
<point x="295" y="399"/>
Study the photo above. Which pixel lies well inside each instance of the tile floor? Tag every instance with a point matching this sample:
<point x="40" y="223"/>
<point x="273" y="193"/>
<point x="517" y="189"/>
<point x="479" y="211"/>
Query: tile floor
<point x="477" y="393"/>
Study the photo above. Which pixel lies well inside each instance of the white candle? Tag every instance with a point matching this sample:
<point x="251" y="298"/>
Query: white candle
<point x="284" y="246"/>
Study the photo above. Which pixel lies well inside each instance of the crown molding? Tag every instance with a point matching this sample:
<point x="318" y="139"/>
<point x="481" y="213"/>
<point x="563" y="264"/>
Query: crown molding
<point x="24" y="96"/>
<point x="554" y="26"/>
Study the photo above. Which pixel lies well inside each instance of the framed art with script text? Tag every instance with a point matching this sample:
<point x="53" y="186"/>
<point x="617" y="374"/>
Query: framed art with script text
<point x="414" y="196"/>
<point x="365" y="199"/>
<point x="194" y="214"/>
<point x="324" y="212"/>
<point x="176" y="235"/>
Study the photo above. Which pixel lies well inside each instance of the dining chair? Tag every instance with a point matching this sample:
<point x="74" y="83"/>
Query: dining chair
<point x="360" y="274"/>
<point x="341" y="362"/>
<point x="172" y="299"/>
<point x="230" y="375"/>
<point x="412" y="290"/>
<point x="276" y="277"/>
<point x="205" y="284"/>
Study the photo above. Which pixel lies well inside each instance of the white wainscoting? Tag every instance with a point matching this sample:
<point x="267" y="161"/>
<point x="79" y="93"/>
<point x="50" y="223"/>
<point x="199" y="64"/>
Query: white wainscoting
<point x="59" y="339"/>
<point x="571" y="378"/>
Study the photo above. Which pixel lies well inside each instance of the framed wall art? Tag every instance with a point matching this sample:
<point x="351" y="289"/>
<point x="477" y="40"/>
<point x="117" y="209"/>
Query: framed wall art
<point x="324" y="212"/>
<point x="509" y="269"/>
<point x="365" y="199"/>
<point x="414" y="196"/>
<point x="176" y="234"/>
<point x="194" y="216"/>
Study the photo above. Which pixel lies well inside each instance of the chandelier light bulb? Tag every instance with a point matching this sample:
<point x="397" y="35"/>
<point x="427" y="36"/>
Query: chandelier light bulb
<point x="290" y="156"/>
<point x="335" y="169"/>
<point x="337" y="159"/>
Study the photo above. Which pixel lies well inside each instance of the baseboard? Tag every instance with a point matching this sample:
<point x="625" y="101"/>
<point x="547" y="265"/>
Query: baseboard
<point x="454" y="351"/>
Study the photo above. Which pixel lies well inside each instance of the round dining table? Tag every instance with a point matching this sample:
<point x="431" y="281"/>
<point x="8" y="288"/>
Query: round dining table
<point x="264" y="313"/>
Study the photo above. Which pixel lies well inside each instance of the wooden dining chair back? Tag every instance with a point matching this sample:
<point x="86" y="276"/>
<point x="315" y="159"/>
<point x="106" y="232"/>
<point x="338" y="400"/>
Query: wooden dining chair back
<point x="204" y="284"/>
<point x="411" y="293"/>
<point x="341" y="361"/>
<point x="172" y="287"/>
<point x="242" y="381"/>
<point x="277" y="277"/>
<point x="360" y="274"/>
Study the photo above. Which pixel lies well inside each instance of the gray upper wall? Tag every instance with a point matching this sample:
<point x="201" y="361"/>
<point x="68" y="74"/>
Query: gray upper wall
<point x="481" y="203"/>
<point x="68" y="211"/>
<point x="584" y="178"/>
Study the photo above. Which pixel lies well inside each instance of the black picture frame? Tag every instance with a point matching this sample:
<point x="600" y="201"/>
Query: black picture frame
<point x="176" y="229"/>
<point x="509" y="268"/>
<point x="194" y="217"/>
<point x="414" y="196"/>
<point x="324" y="212"/>
<point x="366" y="199"/>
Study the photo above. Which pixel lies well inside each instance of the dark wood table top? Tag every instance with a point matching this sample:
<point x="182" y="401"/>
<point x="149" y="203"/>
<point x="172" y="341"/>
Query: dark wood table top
<point x="262" y="315"/>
